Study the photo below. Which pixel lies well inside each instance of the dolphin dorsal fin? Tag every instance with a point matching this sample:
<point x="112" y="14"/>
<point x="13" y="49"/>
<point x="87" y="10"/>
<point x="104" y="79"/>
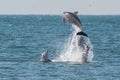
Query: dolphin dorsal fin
<point x="76" y="12"/>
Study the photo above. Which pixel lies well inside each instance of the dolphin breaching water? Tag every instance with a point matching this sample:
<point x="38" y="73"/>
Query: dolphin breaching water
<point x="44" y="57"/>
<point x="80" y="48"/>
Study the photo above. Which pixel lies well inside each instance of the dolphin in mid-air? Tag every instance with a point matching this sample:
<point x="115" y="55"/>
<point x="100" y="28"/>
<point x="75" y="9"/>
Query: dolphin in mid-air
<point x="44" y="57"/>
<point x="72" y="18"/>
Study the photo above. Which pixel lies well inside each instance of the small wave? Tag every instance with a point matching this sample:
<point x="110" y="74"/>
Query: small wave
<point x="19" y="46"/>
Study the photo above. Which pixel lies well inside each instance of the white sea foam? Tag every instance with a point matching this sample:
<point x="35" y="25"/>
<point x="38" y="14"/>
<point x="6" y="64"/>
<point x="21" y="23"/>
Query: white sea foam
<point x="74" y="53"/>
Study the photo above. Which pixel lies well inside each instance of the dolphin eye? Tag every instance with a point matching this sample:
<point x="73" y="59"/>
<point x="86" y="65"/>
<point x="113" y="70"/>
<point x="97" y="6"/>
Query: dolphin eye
<point x="66" y="13"/>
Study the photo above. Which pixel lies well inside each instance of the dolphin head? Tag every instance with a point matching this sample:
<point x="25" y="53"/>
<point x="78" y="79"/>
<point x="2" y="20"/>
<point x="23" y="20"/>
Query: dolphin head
<point x="68" y="16"/>
<point x="44" y="57"/>
<point x="72" y="18"/>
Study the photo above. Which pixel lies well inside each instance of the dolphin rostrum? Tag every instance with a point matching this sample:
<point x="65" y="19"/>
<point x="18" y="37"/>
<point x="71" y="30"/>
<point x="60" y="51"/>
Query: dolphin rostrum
<point x="72" y="18"/>
<point x="44" y="57"/>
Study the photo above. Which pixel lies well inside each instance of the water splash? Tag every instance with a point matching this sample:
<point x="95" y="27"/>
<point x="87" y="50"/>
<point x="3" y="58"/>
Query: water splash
<point x="74" y="52"/>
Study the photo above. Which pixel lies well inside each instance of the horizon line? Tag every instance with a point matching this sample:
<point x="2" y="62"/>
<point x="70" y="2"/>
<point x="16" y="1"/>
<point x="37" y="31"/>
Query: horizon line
<point x="49" y="14"/>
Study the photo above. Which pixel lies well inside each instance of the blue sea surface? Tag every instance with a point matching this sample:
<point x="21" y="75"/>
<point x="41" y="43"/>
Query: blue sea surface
<point x="24" y="37"/>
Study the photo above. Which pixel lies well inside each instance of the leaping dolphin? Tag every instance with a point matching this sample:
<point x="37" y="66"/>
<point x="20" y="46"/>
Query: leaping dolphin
<point x="72" y="18"/>
<point x="80" y="37"/>
<point x="44" y="57"/>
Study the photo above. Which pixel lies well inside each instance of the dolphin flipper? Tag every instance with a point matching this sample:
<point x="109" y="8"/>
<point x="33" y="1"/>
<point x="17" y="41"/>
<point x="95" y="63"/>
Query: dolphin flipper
<point x="76" y="12"/>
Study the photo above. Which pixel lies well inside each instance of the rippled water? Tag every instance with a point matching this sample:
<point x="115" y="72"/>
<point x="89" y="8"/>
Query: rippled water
<point x="24" y="37"/>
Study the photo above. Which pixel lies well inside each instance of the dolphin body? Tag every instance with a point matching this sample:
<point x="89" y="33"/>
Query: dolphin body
<point x="72" y="18"/>
<point x="44" y="57"/>
<point x="80" y="36"/>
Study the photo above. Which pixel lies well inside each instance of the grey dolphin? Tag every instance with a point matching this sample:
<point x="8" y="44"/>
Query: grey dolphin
<point x="72" y="18"/>
<point x="44" y="57"/>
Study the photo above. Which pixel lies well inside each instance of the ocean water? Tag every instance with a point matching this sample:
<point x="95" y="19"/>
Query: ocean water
<point x="24" y="37"/>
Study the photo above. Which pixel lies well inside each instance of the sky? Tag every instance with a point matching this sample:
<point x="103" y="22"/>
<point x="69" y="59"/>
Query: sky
<point x="84" y="7"/>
